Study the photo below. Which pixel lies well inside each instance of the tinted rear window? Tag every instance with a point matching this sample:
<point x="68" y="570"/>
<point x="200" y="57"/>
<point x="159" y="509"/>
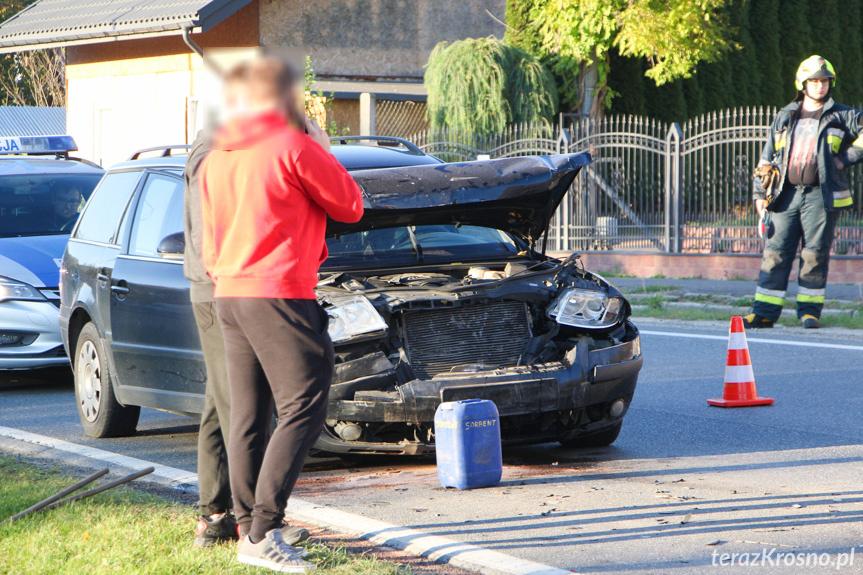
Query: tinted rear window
<point x="104" y="210"/>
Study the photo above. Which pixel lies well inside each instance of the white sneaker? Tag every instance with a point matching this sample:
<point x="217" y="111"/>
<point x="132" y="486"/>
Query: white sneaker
<point x="273" y="553"/>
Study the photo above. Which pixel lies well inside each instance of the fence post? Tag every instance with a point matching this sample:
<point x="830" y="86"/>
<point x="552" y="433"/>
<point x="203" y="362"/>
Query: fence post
<point x="368" y="118"/>
<point x="673" y="183"/>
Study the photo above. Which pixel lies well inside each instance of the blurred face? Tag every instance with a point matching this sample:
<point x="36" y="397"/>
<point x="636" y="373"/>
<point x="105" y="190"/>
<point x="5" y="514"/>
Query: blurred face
<point x="66" y="203"/>
<point x="817" y="88"/>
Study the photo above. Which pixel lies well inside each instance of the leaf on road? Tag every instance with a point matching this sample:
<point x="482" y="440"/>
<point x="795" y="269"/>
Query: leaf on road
<point x="686" y="519"/>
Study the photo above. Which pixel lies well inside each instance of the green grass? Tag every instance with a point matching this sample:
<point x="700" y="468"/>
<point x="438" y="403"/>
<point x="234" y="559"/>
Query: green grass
<point x="651" y="289"/>
<point x="124" y="531"/>
<point x="655" y="308"/>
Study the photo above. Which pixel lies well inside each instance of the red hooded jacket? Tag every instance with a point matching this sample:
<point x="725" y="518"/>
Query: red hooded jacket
<point x="266" y="191"/>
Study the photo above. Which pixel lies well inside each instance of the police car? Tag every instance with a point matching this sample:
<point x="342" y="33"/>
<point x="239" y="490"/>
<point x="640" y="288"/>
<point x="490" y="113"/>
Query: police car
<point x="42" y="191"/>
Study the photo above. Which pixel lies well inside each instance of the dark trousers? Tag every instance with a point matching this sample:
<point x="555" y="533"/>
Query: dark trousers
<point x="213" y="480"/>
<point x="799" y="220"/>
<point x="278" y="353"/>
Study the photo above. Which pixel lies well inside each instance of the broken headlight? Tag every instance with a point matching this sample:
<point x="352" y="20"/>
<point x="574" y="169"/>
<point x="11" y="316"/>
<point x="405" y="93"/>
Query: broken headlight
<point x="586" y="308"/>
<point x="354" y="317"/>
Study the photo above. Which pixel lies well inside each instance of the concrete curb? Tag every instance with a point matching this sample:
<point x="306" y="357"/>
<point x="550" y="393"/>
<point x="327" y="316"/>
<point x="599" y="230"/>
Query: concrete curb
<point x="437" y="548"/>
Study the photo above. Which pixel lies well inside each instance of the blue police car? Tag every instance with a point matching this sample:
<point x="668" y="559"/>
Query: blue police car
<point x="42" y="191"/>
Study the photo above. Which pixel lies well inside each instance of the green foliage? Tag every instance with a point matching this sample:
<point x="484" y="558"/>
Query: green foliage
<point x="480" y="85"/>
<point x="795" y="41"/>
<point x="743" y="63"/>
<point x="519" y="31"/>
<point x="672" y="36"/>
<point x="318" y="104"/>
<point x="764" y="19"/>
<point x="772" y="37"/>
<point x="851" y="33"/>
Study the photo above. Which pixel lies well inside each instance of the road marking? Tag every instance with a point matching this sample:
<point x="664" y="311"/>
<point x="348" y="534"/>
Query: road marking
<point x="756" y="340"/>
<point x="173" y="475"/>
<point x="434" y="547"/>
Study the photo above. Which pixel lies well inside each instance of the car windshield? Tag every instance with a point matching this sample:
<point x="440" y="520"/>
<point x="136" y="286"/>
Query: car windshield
<point x="46" y="204"/>
<point x="418" y="244"/>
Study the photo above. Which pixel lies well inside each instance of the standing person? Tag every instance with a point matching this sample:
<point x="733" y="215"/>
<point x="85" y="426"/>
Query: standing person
<point x="216" y="524"/>
<point x="812" y="142"/>
<point x="267" y="189"/>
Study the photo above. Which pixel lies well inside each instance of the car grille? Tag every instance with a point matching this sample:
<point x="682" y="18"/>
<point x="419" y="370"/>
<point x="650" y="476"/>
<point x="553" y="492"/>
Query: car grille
<point x="491" y="335"/>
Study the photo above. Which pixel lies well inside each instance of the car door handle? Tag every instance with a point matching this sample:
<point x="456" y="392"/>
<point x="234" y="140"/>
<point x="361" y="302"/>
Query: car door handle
<point x="102" y="277"/>
<point x="120" y="289"/>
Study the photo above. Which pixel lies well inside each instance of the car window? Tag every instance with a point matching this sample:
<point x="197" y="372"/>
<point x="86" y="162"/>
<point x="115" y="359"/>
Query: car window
<point x="405" y="245"/>
<point x="159" y="214"/>
<point x="43" y="204"/>
<point x="99" y="220"/>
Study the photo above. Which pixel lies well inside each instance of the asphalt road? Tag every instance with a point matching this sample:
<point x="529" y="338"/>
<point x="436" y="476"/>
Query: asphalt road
<point x="684" y="484"/>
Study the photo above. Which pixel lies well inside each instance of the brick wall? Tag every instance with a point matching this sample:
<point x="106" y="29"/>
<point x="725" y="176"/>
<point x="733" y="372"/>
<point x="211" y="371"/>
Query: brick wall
<point x="843" y="269"/>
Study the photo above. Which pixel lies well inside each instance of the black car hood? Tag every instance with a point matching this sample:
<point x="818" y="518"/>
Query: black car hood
<point x="517" y="195"/>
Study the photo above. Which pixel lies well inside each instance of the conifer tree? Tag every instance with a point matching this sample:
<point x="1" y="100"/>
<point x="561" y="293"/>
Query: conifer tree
<point x="764" y="16"/>
<point x="694" y="95"/>
<point x="852" y="58"/>
<point x="795" y="41"/>
<point x="744" y="60"/>
<point x="827" y="40"/>
<point x="480" y="85"/>
<point x="626" y="78"/>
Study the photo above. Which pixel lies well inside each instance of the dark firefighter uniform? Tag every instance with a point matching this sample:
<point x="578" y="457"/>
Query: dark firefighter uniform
<point x="803" y="146"/>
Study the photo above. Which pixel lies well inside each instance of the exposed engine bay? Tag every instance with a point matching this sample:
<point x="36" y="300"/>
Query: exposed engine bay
<point x="397" y="334"/>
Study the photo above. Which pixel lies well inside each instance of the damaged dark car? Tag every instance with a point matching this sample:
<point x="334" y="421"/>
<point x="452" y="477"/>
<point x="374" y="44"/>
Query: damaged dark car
<point x="440" y="293"/>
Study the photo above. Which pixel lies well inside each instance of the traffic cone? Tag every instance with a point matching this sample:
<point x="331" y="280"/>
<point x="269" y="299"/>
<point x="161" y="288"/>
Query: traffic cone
<point x="739" y="380"/>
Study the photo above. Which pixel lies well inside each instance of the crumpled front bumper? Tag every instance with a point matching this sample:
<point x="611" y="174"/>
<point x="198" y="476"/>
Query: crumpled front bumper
<point x="586" y="379"/>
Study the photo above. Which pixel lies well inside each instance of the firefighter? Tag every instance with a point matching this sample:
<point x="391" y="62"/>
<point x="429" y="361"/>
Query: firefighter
<point x="813" y="140"/>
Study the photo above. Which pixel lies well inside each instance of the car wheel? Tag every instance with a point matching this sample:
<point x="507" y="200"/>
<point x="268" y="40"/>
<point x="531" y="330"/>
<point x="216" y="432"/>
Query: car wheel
<point x="100" y="413"/>
<point x="596" y="439"/>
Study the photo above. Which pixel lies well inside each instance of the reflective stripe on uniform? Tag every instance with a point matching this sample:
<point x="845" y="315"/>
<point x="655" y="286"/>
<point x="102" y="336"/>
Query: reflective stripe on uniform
<point x="774" y="296"/>
<point x="834" y="139"/>
<point x="810" y="298"/>
<point x="778" y="141"/>
<point x="858" y="142"/>
<point x="811" y="291"/>
<point x="842" y="199"/>
<point x="810" y="295"/>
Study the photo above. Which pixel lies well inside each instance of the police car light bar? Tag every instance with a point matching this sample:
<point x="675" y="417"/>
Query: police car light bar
<point x="37" y="145"/>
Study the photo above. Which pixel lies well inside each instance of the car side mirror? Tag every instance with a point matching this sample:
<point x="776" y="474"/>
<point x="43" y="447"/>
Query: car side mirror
<point x="172" y="247"/>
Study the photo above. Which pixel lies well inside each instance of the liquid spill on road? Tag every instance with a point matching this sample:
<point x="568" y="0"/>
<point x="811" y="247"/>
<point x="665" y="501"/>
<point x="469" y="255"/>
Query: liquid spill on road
<point x="332" y="480"/>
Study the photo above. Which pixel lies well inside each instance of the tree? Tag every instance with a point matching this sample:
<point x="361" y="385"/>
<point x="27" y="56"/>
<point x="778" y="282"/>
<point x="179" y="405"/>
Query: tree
<point x="851" y="73"/>
<point x="480" y="85"/>
<point x="795" y="41"/>
<point x="764" y="17"/>
<point x="36" y="78"/>
<point x="671" y="35"/>
<point x="31" y="78"/>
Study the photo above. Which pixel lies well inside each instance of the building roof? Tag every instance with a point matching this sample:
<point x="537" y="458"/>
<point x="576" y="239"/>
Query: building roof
<point x="32" y="121"/>
<point x="54" y="23"/>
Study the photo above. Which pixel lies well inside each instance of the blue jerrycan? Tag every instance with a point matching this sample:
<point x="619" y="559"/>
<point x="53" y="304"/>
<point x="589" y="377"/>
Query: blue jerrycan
<point x="467" y="444"/>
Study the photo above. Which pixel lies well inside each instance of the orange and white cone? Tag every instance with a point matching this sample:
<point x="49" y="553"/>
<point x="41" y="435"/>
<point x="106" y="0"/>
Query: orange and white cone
<point x="739" y="379"/>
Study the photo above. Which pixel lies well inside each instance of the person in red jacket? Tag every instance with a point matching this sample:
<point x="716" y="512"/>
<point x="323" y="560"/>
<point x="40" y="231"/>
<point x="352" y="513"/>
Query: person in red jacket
<point x="266" y="191"/>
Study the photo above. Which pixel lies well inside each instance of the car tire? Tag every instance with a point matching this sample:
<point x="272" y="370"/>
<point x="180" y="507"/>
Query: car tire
<point x="100" y="412"/>
<point x="597" y="439"/>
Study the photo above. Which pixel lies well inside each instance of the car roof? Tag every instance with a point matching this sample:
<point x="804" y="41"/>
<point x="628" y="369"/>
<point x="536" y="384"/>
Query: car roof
<point x="22" y="165"/>
<point x="354" y="153"/>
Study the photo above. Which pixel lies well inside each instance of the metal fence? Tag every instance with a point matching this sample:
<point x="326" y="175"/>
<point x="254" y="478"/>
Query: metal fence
<point x="653" y="186"/>
<point x="399" y="117"/>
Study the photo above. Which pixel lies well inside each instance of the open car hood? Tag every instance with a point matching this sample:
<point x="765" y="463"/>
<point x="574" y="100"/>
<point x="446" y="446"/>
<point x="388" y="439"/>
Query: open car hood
<point x="516" y="195"/>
